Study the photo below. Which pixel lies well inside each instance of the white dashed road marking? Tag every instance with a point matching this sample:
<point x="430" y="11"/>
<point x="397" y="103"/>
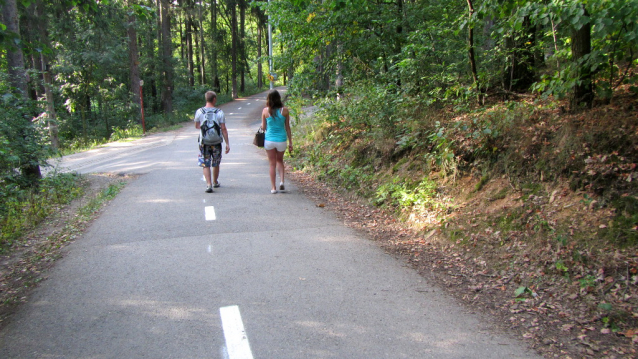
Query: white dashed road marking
<point x="209" y="211"/>
<point x="237" y="346"/>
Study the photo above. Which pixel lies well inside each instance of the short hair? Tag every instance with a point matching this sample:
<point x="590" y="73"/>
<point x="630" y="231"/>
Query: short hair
<point x="210" y="96"/>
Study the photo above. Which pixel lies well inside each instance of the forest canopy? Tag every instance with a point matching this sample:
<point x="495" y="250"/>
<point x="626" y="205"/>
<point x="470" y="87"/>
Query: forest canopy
<point x="77" y="72"/>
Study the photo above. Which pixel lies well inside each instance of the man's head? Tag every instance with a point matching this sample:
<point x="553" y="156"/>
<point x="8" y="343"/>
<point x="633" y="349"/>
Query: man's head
<point x="211" y="96"/>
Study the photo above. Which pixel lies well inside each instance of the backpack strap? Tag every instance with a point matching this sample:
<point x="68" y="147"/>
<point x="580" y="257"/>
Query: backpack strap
<point x="204" y="112"/>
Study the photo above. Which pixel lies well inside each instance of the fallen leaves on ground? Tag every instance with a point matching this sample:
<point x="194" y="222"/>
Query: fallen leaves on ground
<point x="564" y="314"/>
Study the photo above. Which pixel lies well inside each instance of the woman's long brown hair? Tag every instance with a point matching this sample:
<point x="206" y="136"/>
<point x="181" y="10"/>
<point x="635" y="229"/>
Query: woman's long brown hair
<point x="273" y="101"/>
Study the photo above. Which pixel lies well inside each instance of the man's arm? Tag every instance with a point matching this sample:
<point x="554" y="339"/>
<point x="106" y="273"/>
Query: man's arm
<point x="225" y="135"/>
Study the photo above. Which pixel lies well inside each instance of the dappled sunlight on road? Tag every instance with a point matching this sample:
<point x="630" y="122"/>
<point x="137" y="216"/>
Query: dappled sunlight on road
<point x="168" y="310"/>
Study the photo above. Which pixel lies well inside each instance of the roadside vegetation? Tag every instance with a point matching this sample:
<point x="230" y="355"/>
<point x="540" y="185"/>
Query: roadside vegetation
<point x="37" y="241"/>
<point x="76" y="74"/>
<point x="496" y="140"/>
<point x="495" y="146"/>
<point x="518" y="204"/>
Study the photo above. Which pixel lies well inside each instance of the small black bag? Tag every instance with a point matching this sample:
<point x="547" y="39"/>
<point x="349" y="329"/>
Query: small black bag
<point x="259" y="138"/>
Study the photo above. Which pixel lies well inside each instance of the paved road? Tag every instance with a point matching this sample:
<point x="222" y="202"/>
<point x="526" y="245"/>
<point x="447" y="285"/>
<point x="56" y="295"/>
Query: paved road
<point x="169" y="271"/>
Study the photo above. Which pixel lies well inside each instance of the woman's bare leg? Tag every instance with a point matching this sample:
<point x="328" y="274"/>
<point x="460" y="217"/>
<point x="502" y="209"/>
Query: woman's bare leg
<point x="280" y="165"/>
<point x="272" y="160"/>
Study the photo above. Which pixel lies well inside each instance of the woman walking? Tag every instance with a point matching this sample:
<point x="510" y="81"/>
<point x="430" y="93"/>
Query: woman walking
<point x="275" y="121"/>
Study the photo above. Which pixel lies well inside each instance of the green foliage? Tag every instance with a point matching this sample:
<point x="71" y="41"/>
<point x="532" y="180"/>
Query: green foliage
<point x="521" y="291"/>
<point x="134" y="131"/>
<point x="588" y="281"/>
<point x="421" y="47"/>
<point x="401" y="194"/>
<point x="22" y="209"/>
<point x="481" y="183"/>
<point x="22" y="142"/>
<point x="96" y="203"/>
<point x="624" y="226"/>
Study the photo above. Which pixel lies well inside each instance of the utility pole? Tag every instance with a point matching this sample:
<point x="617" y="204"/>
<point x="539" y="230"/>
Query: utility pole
<point x="270" y="73"/>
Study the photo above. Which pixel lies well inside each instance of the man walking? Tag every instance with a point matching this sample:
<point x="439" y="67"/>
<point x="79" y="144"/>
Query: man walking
<point x="210" y="120"/>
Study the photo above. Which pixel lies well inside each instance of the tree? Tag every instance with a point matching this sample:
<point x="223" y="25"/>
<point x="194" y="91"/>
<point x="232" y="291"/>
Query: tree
<point x="202" y="47"/>
<point x="15" y="57"/>
<point x="134" y="60"/>
<point x="583" y="93"/>
<point x="167" y="56"/>
<point x="520" y="70"/>
<point x="40" y="22"/>
<point x="232" y="5"/>
<point x="17" y="76"/>
<point x="471" y="52"/>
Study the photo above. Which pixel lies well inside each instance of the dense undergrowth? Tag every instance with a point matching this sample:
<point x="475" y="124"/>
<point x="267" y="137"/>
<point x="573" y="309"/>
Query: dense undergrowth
<point x="397" y="152"/>
<point x="22" y="209"/>
<point x="527" y="193"/>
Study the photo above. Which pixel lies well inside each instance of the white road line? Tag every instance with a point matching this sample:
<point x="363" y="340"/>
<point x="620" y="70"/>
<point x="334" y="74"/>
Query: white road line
<point x="209" y="212"/>
<point x="237" y="345"/>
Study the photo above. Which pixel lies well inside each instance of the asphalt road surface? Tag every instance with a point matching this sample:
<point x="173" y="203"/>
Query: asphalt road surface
<point x="169" y="271"/>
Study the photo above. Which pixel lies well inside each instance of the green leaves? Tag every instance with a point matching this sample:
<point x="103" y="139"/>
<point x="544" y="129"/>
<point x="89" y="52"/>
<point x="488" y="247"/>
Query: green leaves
<point x="524" y="293"/>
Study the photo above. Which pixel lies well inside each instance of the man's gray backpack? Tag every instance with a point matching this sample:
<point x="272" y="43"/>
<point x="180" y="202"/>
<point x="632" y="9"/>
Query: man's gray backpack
<point x="211" y="132"/>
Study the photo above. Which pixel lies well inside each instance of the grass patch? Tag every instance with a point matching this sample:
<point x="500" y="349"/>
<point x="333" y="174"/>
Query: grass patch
<point x="23" y="209"/>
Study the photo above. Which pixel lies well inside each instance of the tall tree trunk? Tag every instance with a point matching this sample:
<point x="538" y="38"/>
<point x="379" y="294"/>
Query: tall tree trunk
<point x="583" y="93"/>
<point x="37" y="87"/>
<point x="202" y="47"/>
<point x="18" y="79"/>
<point x="260" y="74"/>
<point x="196" y="53"/>
<point x="214" y="45"/>
<point x="15" y="57"/>
<point x="520" y="72"/>
<point x="154" y="69"/>
<point x="182" y="38"/>
<point x="234" y="48"/>
<point x="134" y="60"/>
<point x="471" y="54"/>
<point x="189" y="44"/>
<point x="167" y="90"/>
<point x="52" y="123"/>
<point x="242" y="44"/>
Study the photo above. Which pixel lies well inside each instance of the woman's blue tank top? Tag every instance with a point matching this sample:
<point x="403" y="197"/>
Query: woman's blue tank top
<point x="275" y="127"/>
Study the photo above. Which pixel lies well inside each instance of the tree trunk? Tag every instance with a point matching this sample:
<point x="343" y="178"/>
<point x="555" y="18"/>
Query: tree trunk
<point x="52" y="122"/>
<point x="202" y="47"/>
<point x="189" y="45"/>
<point x="260" y="73"/>
<point x="150" y="72"/>
<point x="15" y="57"/>
<point x="214" y="45"/>
<point x="134" y="60"/>
<point x="583" y="93"/>
<point x="18" y="79"/>
<point x="471" y="54"/>
<point x="37" y="87"/>
<point x="196" y="53"/>
<point x="520" y="72"/>
<point x="242" y="44"/>
<point x="167" y="90"/>
<point x="182" y="38"/>
<point x="234" y="48"/>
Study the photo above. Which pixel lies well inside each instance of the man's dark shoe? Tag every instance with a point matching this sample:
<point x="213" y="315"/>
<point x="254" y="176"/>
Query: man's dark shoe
<point x="216" y="185"/>
<point x="209" y="190"/>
